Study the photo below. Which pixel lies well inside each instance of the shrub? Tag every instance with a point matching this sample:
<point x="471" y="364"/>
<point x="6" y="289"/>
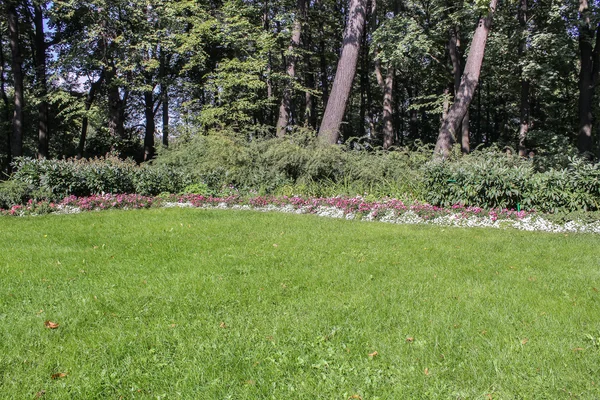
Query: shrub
<point x="61" y="178"/>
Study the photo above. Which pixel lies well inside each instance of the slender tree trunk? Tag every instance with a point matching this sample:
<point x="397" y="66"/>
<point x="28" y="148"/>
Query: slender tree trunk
<point x="364" y="83"/>
<point x="324" y="77"/>
<point x="94" y="87"/>
<point x="346" y="70"/>
<point x="164" y="96"/>
<point x="465" y="144"/>
<point x="587" y="76"/>
<point x="455" y="58"/>
<point x="16" y="140"/>
<point x="164" y="92"/>
<point x="524" y="108"/>
<point x="468" y="84"/>
<point x="388" y="108"/>
<point x="42" y="86"/>
<point x="285" y="108"/>
<point x="7" y="119"/>
<point x="310" y="107"/>
<point x="150" y="125"/>
<point x="413" y="124"/>
<point x="115" y="106"/>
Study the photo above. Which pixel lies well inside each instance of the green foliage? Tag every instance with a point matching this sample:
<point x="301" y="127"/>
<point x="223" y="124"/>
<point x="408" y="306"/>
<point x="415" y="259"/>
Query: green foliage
<point x="491" y="179"/>
<point x="299" y="161"/>
<point x="198" y="188"/>
<point x="60" y="178"/>
<point x="300" y="165"/>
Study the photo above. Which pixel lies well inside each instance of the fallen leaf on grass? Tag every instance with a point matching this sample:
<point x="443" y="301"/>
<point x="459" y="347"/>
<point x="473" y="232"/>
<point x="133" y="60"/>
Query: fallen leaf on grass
<point x="58" y="375"/>
<point x="223" y="325"/>
<point x="489" y="397"/>
<point x="595" y="289"/>
<point x="355" y="396"/>
<point x="275" y="245"/>
<point x="40" y="394"/>
<point x="524" y="341"/>
<point x="426" y="371"/>
<point x="50" y="325"/>
<point x="578" y="349"/>
<point x="373" y="354"/>
<point x="410" y="339"/>
<point x="250" y="382"/>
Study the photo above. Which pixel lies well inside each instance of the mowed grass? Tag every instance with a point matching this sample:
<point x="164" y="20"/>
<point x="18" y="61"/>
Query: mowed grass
<point x="243" y="305"/>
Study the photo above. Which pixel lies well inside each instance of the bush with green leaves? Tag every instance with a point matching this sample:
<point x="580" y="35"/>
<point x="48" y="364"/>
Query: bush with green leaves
<point x="61" y="178"/>
<point x="297" y="164"/>
<point x="300" y="164"/>
<point x="491" y="179"/>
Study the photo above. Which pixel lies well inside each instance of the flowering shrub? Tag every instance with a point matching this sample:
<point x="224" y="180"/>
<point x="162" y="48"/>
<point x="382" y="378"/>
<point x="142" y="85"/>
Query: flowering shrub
<point x="387" y="210"/>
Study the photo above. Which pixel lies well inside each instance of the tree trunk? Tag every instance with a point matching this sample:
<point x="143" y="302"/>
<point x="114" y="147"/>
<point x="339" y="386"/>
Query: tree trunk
<point x="16" y="140"/>
<point x="388" y="108"/>
<point x="6" y="116"/>
<point x="346" y="70"/>
<point x="150" y="125"/>
<point x="324" y="78"/>
<point x="524" y="108"/>
<point x="42" y="86"/>
<point x="465" y="144"/>
<point x="94" y="87"/>
<point x="468" y="84"/>
<point x="165" y="114"/>
<point x="115" y="120"/>
<point x="587" y="75"/>
<point x="310" y="109"/>
<point x="285" y="108"/>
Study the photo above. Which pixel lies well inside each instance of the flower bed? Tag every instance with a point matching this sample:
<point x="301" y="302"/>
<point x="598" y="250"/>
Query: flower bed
<point x="386" y="210"/>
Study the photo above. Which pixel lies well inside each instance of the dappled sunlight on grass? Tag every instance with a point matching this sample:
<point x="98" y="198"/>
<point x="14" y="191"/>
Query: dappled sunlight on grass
<point x="217" y="304"/>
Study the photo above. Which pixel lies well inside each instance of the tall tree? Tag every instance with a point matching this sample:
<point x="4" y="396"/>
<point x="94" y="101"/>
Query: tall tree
<point x="346" y="70"/>
<point x="285" y="108"/>
<point x="91" y="95"/>
<point x="588" y="75"/>
<point x="16" y="140"/>
<point x="6" y="117"/>
<point x="524" y="107"/>
<point x="42" y="85"/>
<point x="468" y="84"/>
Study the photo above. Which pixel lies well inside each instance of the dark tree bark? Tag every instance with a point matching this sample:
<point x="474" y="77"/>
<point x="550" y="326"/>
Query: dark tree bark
<point x="364" y="84"/>
<point x="324" y="78"/>
<point x="16" y="140"/>
<point x="165" y="114"/>
<point x="42" y="85"/>
<point x="94" y="87"/>
<point x="524" y="108"/>
<point x="115" y="105"/>
<point x="588" y="76"/>
<point x="468" y="84"/>
<point x="455" y="58"/>
<point x="164" y="96"/>
<point x="310" y="106"/>
<point x="6" y="120"/>
<point x="285" y="108"/>
<point x="150" y="125"/>
<point x="346" y="70"/>
<point x="388" y="108"/>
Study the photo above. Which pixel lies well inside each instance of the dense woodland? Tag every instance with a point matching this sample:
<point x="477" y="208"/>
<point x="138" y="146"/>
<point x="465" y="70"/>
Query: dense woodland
<point x="83" y="78"/>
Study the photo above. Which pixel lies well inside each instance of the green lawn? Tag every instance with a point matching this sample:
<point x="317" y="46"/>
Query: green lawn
<point x="243" y="305"/>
